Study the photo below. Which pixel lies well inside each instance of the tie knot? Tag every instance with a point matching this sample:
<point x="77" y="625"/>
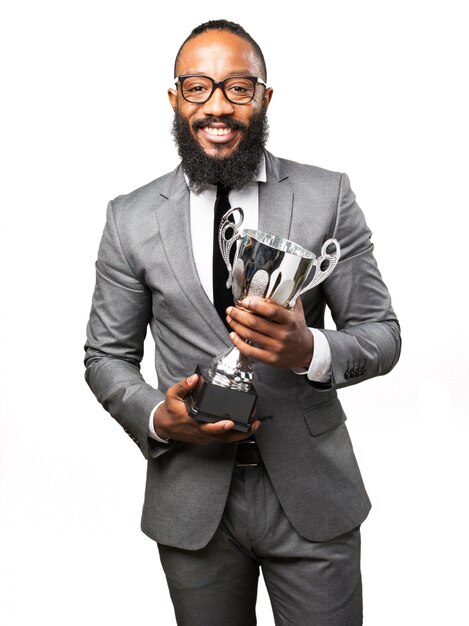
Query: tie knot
<point x="222" y="203"/>
<point x="222" y="191"/>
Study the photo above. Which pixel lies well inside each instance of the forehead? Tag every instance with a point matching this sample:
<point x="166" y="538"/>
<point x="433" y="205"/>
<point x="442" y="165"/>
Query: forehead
<point x="218" y="54"/>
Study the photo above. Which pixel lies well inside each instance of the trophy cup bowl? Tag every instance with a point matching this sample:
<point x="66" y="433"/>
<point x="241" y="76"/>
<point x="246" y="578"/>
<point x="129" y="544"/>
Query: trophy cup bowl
<point x="265" y="266"/>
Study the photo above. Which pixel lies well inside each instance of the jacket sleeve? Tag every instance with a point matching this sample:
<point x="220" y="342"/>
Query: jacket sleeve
<point x="120" y="313"/>
<point x="367" y="341"/>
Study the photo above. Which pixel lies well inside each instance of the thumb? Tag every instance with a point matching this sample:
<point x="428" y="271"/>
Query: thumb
<point x="185" y="386"/>
<point x="299" y="306"/>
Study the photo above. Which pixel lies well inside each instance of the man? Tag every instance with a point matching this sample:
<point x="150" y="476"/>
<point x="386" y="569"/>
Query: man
<point x="297" y="508"/>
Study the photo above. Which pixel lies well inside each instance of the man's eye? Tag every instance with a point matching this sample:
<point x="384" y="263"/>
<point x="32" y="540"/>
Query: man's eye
<point x="195" y="88"/>
<point x="239" y="88"/>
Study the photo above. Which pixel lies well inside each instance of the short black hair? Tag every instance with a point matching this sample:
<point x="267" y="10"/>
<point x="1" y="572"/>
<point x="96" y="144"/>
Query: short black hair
<point x="230" y="27"/>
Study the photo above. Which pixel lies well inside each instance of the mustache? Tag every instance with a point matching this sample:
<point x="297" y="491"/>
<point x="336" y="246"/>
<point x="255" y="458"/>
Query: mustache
<point x="206" y="121"/>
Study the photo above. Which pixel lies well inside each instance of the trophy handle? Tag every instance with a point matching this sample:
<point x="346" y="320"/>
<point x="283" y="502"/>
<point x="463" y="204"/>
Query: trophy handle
<point x="319" y="274"/>
<point x="226" y="243"/>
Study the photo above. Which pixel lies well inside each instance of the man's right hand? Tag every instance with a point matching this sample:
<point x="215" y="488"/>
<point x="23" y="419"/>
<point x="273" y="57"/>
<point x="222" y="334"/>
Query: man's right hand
<point x="171" y="420"/>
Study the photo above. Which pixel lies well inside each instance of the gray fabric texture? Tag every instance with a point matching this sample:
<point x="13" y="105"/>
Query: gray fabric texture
<point x="308" y="583"/>
<point x="146" y="274"/>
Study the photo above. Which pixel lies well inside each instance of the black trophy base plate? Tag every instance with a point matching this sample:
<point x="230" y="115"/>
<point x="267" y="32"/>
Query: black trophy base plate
<point x="211" y="403"/>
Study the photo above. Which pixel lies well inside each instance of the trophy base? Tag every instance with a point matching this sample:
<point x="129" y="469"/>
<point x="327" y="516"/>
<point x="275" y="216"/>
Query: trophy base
<point x="211" y="403"/>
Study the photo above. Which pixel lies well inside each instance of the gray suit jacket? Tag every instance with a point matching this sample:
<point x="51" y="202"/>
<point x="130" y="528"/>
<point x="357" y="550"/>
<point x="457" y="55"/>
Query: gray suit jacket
<point x="146" y="275"/>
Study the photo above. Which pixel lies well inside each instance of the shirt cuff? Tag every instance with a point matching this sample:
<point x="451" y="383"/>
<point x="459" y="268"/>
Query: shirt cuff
<point x="151" y="428"/>
<point x="320" y="367"/>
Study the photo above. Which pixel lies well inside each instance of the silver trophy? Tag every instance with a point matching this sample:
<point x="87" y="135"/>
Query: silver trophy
<point x="265" y="266"/>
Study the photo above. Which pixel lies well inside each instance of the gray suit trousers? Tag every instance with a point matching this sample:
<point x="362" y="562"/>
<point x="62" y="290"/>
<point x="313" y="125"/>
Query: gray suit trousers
<point x="309" y="583"/>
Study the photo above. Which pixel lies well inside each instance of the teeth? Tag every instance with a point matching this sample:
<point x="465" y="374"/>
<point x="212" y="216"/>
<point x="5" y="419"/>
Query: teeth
<point x="216" y="131"/>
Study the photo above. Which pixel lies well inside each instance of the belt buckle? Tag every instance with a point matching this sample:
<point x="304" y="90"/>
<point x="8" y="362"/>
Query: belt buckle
<point x="246" y="442"/>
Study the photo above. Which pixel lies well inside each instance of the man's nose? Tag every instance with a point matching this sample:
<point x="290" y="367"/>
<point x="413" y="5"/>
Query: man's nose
<point x="218" y="105"/>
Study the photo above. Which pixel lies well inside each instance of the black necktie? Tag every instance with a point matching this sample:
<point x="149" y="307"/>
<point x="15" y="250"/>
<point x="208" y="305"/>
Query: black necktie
<point x="222" y="296"/>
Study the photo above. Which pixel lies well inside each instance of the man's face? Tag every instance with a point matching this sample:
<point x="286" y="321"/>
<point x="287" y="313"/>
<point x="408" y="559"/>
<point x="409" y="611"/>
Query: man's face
<point x="219" y="54"/>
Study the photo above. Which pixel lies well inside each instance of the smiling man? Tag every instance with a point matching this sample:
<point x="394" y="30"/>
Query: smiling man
<point x="287" y="496"/>
<point x="220" y="123"/>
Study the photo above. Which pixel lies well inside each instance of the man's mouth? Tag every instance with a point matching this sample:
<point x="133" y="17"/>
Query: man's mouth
<point x="219" y="131"/>
<point x="219" y="134"/>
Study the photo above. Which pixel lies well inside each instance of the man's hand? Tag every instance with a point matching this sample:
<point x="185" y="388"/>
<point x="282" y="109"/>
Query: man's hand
<point x="171" y="420"/>
<point x="280" y="336"/>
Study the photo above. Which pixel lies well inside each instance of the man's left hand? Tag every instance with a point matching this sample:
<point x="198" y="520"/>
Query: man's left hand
<point x="278" y="337"/>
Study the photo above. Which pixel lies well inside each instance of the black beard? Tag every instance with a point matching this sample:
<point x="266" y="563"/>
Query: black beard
<point x="234" y="171"/>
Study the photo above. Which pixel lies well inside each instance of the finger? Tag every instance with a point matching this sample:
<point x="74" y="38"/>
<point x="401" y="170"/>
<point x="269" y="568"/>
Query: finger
<point x="217" y="428"/>
<point x="255" y="424"/>
<point x="298" y="307"/>
<point x="183" y="387"/>
<point x="233" y="436"/>
<point x="262" y="340"/>
<point x="236" y="435"/>
<point x="265" y="308"/>
<point x="252" y="322"/>
<point x="268" y="357"/>
<point x="226" y="427"/>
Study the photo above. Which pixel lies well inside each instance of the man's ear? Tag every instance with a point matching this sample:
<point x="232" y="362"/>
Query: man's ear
<point x="268" y="93"/>
<point x="173" y="96"/>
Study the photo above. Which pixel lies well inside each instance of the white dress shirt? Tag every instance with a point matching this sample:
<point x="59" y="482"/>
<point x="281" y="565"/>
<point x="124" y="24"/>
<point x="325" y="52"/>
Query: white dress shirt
<point x="201" y="220"/>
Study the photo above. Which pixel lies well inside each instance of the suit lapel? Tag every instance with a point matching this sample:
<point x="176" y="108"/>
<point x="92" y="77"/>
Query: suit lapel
<point x="275" y="200"/>
<point x="173" y="215"/>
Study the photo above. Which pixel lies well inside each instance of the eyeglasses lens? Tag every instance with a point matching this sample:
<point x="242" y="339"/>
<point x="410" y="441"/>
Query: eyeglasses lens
<point x="198" y="89"/>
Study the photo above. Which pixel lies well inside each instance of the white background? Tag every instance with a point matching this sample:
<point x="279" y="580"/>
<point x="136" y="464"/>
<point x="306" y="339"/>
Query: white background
<point x="371" y="88"/>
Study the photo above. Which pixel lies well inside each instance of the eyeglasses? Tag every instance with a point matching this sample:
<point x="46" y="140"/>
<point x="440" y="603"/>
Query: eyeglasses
<point x="236" y="89"/>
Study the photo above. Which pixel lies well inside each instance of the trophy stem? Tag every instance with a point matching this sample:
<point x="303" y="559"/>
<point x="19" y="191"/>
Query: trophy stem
<point x="232" y="370"/>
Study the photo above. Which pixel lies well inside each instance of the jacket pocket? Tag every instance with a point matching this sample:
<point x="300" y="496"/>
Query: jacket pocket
<point x="324" y="417"/>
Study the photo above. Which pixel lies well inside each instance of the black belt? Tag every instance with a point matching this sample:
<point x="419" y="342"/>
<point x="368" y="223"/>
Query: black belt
<point x="247" y="455"/>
